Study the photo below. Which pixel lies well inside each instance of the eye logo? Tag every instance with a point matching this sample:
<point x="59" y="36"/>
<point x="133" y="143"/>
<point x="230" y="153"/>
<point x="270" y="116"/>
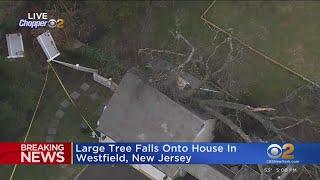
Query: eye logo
<point x="274" y="151"/>
<point x="52" y="23"/>
<point x="59" y="23"/>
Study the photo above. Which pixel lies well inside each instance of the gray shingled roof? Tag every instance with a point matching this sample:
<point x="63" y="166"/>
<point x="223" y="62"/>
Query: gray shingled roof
<point x="138" y="112"/>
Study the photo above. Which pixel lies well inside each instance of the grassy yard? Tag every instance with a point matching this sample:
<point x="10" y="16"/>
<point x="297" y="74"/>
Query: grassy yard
<point x="68" y="129"/>
<point x="286" y="31"/>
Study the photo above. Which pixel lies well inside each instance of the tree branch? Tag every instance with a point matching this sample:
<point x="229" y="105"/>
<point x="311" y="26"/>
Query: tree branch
<point x="228" y="122"/>
<point x="160" y="51"/>
<point x="179" y="36"/>
<point x="246" y="109"/>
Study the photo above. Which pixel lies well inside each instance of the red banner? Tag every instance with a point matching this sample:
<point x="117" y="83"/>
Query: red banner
<point x="35" y="153"/>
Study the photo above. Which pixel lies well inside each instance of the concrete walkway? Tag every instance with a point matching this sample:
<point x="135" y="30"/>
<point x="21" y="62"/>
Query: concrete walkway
<point x="54" y="123"/>
<point x="59" y="114"/>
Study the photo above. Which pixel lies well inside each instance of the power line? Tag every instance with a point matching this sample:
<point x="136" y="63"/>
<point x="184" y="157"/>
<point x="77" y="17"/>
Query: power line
<point x="270" y="59"/>
<point x="71" y="100"/>
<point x="33" y="116"/>
<point x="38" y="103"/>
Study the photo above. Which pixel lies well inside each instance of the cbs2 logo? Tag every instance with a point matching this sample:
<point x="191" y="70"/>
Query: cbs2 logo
<point x="275" y="151"/>
<point x="59" y="23"/>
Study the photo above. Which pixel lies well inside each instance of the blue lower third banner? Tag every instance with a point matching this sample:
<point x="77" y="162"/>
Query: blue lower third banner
<point x="195" y="153"/>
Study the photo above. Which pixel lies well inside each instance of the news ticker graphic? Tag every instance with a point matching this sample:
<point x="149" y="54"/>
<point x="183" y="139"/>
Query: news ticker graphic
<point x="35" y="153"/>
<point x="159" y="153"/>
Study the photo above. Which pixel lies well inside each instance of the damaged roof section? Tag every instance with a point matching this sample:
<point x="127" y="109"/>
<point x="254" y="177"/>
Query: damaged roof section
<point x="138" y="112"/>
<point x="15" y="45"/>
<point x="182" y="78"/>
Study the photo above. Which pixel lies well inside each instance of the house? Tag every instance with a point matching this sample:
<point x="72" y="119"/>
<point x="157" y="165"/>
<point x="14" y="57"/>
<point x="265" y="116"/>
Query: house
<point x="138" y="112"/>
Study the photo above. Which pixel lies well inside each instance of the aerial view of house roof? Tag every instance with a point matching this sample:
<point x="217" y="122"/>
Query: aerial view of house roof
<point x="138" y="112"/>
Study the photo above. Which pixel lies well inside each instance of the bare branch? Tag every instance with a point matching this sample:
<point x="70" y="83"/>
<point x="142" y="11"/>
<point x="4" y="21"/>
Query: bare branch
<point x="209" y="58"/>
<point x="293" y="125"/>
<point x="233" y="127"/>
<point x="246" y="109"/>
<point x="179" y="36"/>
<point x="283" y="117"/>
<point x="150" y="52"/>
<point x="292" y="95"/>
<point x="228" y="122"/>
<point x="260" y="109"/>
<point x="308" y="172"/>
<point x="208" y="90"/>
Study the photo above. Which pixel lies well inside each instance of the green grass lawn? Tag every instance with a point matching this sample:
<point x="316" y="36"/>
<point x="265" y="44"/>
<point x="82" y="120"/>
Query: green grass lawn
<point x="68" y="129"/>
<point x="261" y="82"/>
<point x="286" y="31"/>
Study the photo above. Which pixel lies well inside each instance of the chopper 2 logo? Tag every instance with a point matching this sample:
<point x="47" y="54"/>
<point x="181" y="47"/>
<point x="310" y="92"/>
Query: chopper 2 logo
<point x="36" y="20"/>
